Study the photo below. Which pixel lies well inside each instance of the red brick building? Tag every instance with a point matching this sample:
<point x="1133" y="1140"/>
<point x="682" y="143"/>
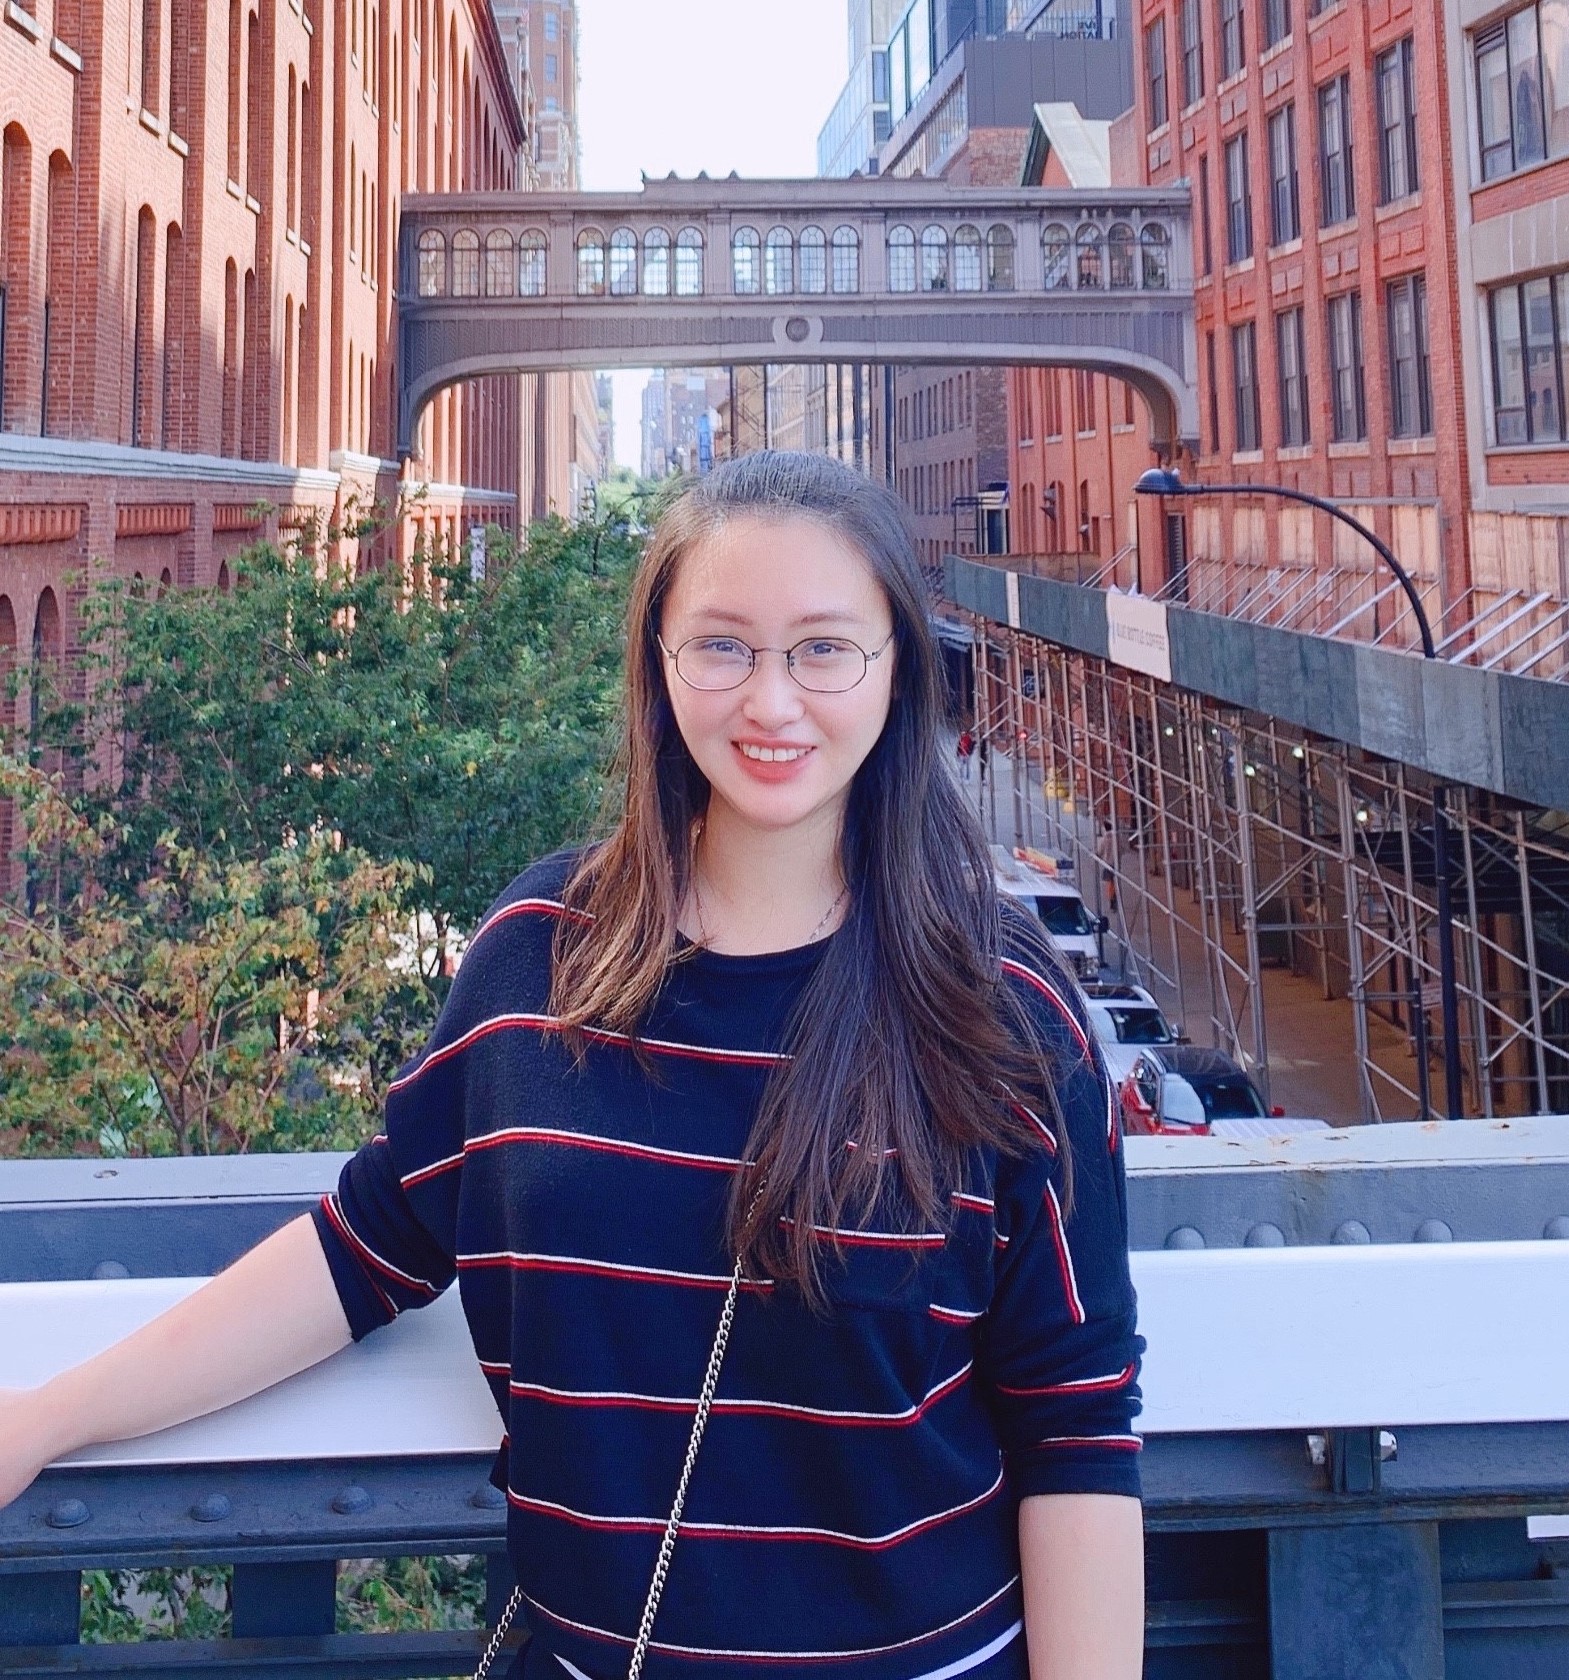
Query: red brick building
<point x="198" y="221"/>
<point x="1378" y="189"/>
<point x="1077" y="440"/>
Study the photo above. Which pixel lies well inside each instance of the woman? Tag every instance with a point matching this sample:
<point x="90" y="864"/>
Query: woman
<point x="775" y="1018"/>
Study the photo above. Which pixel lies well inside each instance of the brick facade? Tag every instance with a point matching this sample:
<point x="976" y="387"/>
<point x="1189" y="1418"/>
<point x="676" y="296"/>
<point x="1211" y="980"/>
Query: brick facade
<point x="198" y="223"/>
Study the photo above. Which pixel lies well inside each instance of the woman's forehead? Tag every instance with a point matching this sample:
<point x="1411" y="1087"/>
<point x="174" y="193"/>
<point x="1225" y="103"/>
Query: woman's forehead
<point x="751" y="568"/>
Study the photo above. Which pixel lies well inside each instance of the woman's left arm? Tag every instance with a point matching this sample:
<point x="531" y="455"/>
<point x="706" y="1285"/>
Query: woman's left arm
<point x="1082" y="1558"/>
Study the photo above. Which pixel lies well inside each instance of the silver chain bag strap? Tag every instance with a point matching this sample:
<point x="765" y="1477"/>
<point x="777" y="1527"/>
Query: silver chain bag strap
<point x="667" y="1545"/>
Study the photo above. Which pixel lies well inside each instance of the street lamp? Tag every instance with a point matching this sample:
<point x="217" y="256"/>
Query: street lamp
<point x="1164" y="481"/>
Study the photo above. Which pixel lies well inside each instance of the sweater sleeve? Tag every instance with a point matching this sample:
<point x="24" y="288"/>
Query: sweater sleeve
<point x="390" y="1229"/>
<point x="1060" y="1349"/>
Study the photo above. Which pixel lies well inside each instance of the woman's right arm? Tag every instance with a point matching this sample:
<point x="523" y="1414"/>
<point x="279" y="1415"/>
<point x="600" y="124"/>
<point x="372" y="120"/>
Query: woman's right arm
<point x="274" y="1312"/>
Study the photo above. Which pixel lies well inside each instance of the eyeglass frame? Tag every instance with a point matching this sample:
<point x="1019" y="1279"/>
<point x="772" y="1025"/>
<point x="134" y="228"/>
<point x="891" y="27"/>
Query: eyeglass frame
<point x="866" y="658"/>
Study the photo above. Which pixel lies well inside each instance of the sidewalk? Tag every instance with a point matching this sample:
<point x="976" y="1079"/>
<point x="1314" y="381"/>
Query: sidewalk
<point x="1311" y="1044"/>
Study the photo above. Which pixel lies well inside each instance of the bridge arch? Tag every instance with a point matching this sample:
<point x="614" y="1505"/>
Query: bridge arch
<point x="711" y="274"/>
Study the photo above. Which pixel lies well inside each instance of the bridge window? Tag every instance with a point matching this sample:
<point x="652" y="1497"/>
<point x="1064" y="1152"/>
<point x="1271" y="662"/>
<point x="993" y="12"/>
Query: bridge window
<point x="1119" y="248"/>
<point x="689" y="262"/>
<point x="432" y="264"/>
<point x="1056" y="255"/>
<point x="999" y="254"/>
<point x="623" y="263"/>
<point x="901" y="259"/>
<point x="746" y="262"/>
<point x="967" y="260"/>
<point x="465" y="263"/>
<point x="498" y="263"/>
<point x="814" y="260"/>
<point x="531" y="263"/>
<point x="934" y="259"/>
<point x="591" y="263"/>
<point x="1091" y="266"/>
<point x="847" y="260"/>
<point x="656" y="263"/>
<point x="779" y="262"/>
<point x="1157" y="251"/>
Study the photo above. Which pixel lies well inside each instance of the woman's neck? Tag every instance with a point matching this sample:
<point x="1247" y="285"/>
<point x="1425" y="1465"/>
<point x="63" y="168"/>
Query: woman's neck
<point x="761" y="890"/>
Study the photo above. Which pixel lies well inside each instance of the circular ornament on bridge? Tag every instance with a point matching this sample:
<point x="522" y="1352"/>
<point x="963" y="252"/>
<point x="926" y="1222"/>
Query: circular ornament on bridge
<point x="797" y="331"/>
<point x="68" y="1513"/>
<point x="110" y="1269"/>
<point x="1433" y="1230"/>
<point x="1352" y="1231"/>
<point x="1265" y="1235"/>
<point x="214" y="1508"/>
<point x="352" y="1502"/>
<point x="1557" y="1230"/>
<point x="1185" y="1237"/>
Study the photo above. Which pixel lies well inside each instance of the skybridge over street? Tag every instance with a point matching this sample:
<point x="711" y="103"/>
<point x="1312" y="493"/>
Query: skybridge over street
<point x="716" y="273"/>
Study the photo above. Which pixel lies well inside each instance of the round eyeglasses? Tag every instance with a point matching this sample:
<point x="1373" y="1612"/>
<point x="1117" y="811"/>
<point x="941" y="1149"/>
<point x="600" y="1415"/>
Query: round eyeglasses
<point x="822" y="664"/>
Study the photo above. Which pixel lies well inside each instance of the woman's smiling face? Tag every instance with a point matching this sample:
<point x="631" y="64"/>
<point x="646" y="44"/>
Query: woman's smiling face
<point x="774" y="752"/>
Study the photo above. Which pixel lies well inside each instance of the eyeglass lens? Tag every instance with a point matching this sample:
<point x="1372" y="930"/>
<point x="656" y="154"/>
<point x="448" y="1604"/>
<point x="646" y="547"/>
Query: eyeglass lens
<point x="824" y="664"/>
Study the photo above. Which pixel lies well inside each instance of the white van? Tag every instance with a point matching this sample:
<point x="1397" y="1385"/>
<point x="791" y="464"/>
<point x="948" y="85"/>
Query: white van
<point x="1051" y="897"/>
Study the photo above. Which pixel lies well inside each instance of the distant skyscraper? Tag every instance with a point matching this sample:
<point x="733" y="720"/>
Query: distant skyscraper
<point x="675" y="404"/>
<point x="858" y="124"/>
<point x="540" y="37"/>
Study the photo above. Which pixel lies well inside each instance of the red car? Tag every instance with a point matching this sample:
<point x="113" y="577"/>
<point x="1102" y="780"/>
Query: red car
<point x="1178" y="1090"/>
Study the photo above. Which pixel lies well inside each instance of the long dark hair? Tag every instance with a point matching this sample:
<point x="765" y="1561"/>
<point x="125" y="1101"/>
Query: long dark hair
<point x="907" y="1047"/>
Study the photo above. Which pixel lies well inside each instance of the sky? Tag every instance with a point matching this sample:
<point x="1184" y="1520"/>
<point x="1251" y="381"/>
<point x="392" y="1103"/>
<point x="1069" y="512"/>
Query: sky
<point x="702" y="84"/>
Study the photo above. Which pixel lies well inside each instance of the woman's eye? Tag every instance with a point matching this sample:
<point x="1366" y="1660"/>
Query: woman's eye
<point x="724" y="646"/>
<point x="824" y="649"/>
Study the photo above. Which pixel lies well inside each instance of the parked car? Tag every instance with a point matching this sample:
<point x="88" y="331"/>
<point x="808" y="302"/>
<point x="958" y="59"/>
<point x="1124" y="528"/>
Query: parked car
<point x="1179" y="1090"/>
<point x="1125" y="1019"/>
<point x="1056" y="902"/>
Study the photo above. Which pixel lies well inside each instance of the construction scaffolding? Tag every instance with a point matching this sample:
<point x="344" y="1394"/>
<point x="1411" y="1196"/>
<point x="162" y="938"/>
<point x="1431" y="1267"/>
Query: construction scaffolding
<point x="1222" y="842"/>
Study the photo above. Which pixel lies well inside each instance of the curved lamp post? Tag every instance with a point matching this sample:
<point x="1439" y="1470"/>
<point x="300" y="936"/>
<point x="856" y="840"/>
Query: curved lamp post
<point x="1163" y="481"/>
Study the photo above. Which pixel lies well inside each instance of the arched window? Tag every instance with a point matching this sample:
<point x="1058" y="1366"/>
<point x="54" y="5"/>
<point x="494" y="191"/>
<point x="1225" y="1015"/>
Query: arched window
<point x="901" y="259"/>
<point x="532" y="247"/>
<point x="432" y="264"/>
<point x="779" y="262"/>
<point x="656" y="263"/>
<point x="934" y="259"/>
<point x="465" y="263"/>
<point x="689" y="262"/>
<point x="498" y="263"/>
<point x="1119" y="249"/>
<point x="813" y="257"/>
<point x="1090" y="269"/>
<point x="999" y="259"/>
<point x="591" y="263"/>
<point x="623" y="263"/>
<point x="746" y="262"/>
<point x="847" y="260"/>
<point x="967" y="259"/>
<point x="1056" y="252"/>
<point x="1157" y="251"/>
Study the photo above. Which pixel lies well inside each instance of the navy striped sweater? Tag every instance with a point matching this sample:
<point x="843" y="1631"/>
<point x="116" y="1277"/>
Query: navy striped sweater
<point x="855" y="1502"/>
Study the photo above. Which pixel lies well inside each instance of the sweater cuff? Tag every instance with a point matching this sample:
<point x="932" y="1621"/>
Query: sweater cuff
<point x="365" y="1305"/>
<point x="1087" y="1467"/>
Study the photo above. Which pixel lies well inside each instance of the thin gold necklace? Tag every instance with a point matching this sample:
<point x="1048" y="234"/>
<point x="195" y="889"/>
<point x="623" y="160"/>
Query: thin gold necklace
<point x="702" y="926"/>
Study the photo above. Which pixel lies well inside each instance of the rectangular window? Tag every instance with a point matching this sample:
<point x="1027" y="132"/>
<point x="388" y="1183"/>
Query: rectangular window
<point x="1347" y="382"/>
<point x="1529" y="354"/>
<point x="552" y="23"/>
<point x="1213" y="370"/>
<point x="1192" y="29"/>
<point x="551" y="67"/>
<point x="1233" y="45"/>
<point x="1244" y="377"/>
<point x="1337" y="194"/>
<point x="1239" y="201"/>
<point x="1411" y="396"/>
<point x="1295" y="426"/>
<point x="1285" y="212"/>
<point x="1155" y="72"/>
<point x="1206" y="241"/>
<point x="1397" y="162"/>
<point x="1277" y="21"/>
<point x="1522" y="88"/>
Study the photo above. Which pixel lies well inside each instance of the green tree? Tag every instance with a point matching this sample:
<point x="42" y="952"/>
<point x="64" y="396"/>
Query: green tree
<point x="462" y="725"/>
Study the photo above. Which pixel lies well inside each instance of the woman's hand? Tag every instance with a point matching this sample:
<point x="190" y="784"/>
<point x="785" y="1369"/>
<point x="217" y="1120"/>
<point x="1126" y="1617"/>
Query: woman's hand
<point x="26" y="1442"/>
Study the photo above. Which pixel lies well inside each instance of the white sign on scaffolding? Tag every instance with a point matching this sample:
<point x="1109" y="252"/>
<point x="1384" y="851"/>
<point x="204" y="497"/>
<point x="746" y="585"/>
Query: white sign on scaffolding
<point x="1136" y="634"/>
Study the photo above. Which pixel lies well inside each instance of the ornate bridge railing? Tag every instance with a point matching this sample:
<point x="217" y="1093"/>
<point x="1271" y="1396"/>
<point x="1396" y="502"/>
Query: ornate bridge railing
<point x="715" y="273"/>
